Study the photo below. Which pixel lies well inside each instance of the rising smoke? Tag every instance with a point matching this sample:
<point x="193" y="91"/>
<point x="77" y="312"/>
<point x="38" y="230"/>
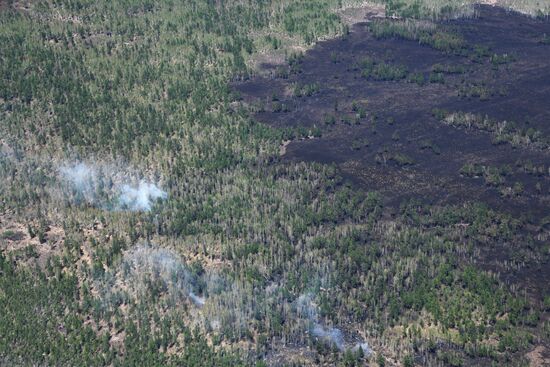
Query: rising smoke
<point x="220" y="303"/>
<point x="199" y="301"/>
<point x="328" y="334"/>
<point x="145" y="268"/>
<point x="83" y="180"/>
<point x="141" y="197"/>
<point x="110" y="188"/>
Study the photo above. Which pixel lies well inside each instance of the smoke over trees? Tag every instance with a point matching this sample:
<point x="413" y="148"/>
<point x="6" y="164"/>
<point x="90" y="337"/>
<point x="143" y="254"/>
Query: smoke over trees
<point x="108" y="187"/>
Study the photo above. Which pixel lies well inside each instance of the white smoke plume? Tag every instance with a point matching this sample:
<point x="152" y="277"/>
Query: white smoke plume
<point x="83" y="179"/>
<point x="328" y="334"/>
<point x="364" y="347"/>
<point x="110" y="188"/>
<point x="141" y="197"/>
<point x="81" y="175"/>
<point x="199" y="301"/>
<point x="331" y="335"/>
<point x="145" y="267"/>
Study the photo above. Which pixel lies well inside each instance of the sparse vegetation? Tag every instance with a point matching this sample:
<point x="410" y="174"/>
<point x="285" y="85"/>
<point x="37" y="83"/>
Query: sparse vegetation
<point x="502" y="59"/>
<point x="358" y="144"/>
<point x="306" y="90"/>
<point x="437" y="78"/>
<point x="385" y="156"/>
<point x="530" y="168"/>
<point x="424" y="32"/>
<point x="401" y="159"/>
<point x="430" y="145"/>
<point x="381" y="71"/>
<point x="448" y="69"/>
<point x="417" y="78"/>
<point x="453" y="9"/>
<point x="493" y="176"/>
<point x="475" y="90"/>
<point x="502" y="131"/>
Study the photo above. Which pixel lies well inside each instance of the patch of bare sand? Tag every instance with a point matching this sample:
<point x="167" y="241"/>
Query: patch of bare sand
<point x="282" y="148"/>
<point x="539" y="357"/>
<point x="360" y="13"/>
<point x="270" y="59"/>
<point x="15" y="237"/>
<point x="489" y="2"/>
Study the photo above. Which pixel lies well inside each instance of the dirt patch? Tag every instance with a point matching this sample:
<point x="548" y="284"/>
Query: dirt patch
<point x="17" y="241"/>
<point x="539" y="357"/>
<point x="266" y="61"/>
<point x="357" y="14"/>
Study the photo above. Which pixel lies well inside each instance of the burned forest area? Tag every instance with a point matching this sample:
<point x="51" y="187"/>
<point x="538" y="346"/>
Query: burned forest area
<point x="406" y="127"/>
<point x="275" y="183"/>
<point x="458" y="118"/>
<point x="386" y="132"/>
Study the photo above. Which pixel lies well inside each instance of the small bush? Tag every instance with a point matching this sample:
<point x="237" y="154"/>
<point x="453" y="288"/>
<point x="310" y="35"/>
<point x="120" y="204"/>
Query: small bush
<point x="437" y="78"/>
<point x="402" y="160"/>
<point x="382" y="71"/>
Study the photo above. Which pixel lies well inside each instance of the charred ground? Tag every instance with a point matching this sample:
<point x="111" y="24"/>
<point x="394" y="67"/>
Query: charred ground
<point x="397" y="145"/>
<point x="398" y="119"/>
<point x="390" y="135"/>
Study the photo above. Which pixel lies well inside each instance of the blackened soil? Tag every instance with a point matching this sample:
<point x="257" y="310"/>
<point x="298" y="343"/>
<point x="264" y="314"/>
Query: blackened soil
<point x="399" y="122"/>
<point x="398" y="148"/>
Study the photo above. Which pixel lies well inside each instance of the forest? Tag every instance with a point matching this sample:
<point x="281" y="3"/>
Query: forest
<point x="149" y="215"/>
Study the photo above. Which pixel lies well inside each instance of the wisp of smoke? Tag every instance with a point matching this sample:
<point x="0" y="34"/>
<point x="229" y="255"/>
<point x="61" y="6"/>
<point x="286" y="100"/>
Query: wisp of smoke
<point x="80" y="174"/>
<point x="305" y="307"/>
<point x="199" y="301"/>
<point x="140" y="198"/>
<point x="328" y="334"/>
<point x="145" y="265"/>
<point x="82" y="177"/>
<point x="364" y="347"/>
<point x="101" y="185"/>
<point x="331" y="335"/>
